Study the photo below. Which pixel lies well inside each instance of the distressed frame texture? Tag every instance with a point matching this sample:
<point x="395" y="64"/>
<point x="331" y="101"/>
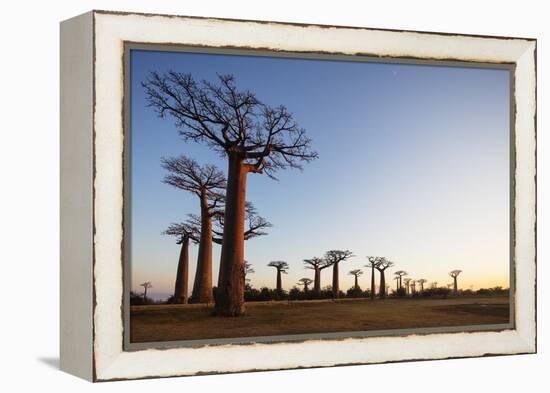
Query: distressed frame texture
<point x="109" y="33"/>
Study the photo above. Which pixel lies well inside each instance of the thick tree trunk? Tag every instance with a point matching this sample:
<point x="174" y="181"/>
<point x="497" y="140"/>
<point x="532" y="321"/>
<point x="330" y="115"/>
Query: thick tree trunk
<point x="335" y="281"/>
<point x="181" y="289"/>
<point x="279" y="282"/>
<point x="317" y="281"/>
<point x="145" y="295"/>
<point x="306" y="289"/>
<point x="356" y="283"/>
<point x="202" y="288"/>
<point x="230" y="294"/>
<point x="382" y="284"/>
<point x="455" y="287"/>
<point x="372" y="288"/>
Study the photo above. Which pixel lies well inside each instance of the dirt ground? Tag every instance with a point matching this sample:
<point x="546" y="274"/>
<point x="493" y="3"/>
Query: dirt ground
<point x="192" y="322"/>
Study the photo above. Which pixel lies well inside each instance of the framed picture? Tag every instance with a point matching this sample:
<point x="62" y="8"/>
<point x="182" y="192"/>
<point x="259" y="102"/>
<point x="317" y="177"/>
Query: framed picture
<point x="246" y="195"/>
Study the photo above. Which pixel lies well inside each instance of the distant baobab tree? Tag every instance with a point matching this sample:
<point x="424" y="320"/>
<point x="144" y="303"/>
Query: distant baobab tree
<point x="407" y="282"/>
<point x="183" y="233"/>
<point x="454" y="274"/>
<point x="400" y="274"/>
<point x="248" y="269"/>
<point x="146" y="285"/>
<point x="373" y="262"/>
<point x="381" y="266"/>
<point x="356" y="273"/>
<point x="433" y="284"/>
<point x="255" y="138"/>
<point x="449" y="286"/>
<point x="333" y="258"/>
<point x="396" y="278"/>
<point x="207" y="183"/>
<point x="413" y="286"/>
<point x="421" y="281"/>
<point x="305" y="282"/>
<point x="281" y="267"/>
<point x="317" y="265"/>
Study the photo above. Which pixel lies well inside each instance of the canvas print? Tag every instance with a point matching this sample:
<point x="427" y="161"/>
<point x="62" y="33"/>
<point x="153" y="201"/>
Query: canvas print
<point x="286" y="197"/>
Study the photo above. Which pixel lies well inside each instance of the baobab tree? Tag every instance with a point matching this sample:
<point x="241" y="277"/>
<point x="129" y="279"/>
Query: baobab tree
<point x="454" y="274"/>
<point x="317" y="265"/>
<point x="381" y="266"/>
<point x="413" y="286"/>
<point x="396" y="278"/>
<point x="255" y="138"/>
<point x="433" y="284"/>
<point x="248" y="269"/>
<point x="146" y="285"/>
<point x="373" y="262"/>
<point x="333" y="258"/>
<point x="356" y="273"/>
<point x="255" y="226"/>
<point x="305" y="282"/>
<point x="400" y="274"/>
<point x="207" y="183"/>
<point x="421" y="281"/>
<point x="407" y="282"/>
<point x="183" y="233"/>
<point x="281" y="267"/>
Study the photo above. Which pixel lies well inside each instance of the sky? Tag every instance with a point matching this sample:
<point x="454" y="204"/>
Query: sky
<point x="413" y="165"/>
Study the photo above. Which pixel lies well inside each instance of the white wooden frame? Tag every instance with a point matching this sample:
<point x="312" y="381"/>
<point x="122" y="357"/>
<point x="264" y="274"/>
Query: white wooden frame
<point x="92" y="144"/>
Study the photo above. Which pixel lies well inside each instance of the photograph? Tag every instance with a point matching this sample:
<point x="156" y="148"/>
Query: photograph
<point x="285" y="196"/>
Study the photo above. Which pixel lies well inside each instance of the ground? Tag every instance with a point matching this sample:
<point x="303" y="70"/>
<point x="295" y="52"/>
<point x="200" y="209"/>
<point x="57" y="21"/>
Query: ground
<point x="192" y="322"/>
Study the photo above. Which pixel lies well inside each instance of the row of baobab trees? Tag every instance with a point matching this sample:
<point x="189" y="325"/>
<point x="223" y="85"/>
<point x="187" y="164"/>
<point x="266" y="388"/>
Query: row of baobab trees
<point x="404" y="285"/>
<point x="333" y="258"/>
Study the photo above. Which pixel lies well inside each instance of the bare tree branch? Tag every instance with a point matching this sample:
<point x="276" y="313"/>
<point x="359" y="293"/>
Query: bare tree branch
<point x="227" y="119"/>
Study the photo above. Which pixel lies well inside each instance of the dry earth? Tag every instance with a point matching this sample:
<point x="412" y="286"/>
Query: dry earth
<point x="192" y="322"/>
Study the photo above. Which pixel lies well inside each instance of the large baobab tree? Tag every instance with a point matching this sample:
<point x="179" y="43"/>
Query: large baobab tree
<point x="255" y="138"/>
<point x="305" y="282"/>
<point x="407" y="282"/>
<point x="373" y="262"/>
<point x="281" y="267"/>
<point x="454" y="274"/>
<point x="146" y="285"/>
<point x="317" y="265"/>
<point x="381" y="266"/>
<point x="333" y="258"/>
<point x="183" y="233"/>
<point x="421" y="281"/>
<point x="207" y="183"/>
<point x="400" y="274"/>
<point x="356" y="273"/>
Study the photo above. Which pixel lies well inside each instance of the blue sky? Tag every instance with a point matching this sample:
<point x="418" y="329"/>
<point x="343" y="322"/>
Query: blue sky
<point x="413" y="164"/>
